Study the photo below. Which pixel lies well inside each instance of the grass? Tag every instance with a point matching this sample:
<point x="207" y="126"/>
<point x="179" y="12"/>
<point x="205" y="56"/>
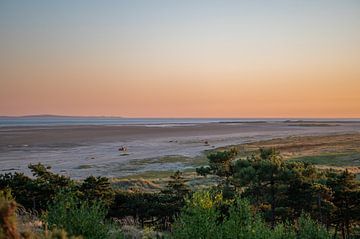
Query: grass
<point x="172" y="159"/>
<point x="333" y="159"/>
<point x="162" y="160"/>
<point x="335" y="149"/>
<point x="338" y="151"/>
<point x="187" y="161"/>
<point x="140" y="184"/>
<point x="84" y="166"/>
<point x="150" y="175"/>
<point x="154" y="181"/>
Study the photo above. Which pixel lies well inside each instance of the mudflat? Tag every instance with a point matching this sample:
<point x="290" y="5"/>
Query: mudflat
<point x="79" y="151"/>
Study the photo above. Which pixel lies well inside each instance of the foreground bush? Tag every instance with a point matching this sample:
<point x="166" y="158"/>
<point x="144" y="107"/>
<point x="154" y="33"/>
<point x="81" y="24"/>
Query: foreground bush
<point x="8" y="228"/>
<point x="202" y="217"/>
<point x="9" y="223"/>
<point x="80" y="218"/>
<point x="199" y="218"/>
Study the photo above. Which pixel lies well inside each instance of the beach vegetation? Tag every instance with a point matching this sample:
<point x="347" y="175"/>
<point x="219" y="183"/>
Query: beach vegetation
<point x="261" y="195"/>
<point x="202" y="217"/>
<point x="86" y="218"/>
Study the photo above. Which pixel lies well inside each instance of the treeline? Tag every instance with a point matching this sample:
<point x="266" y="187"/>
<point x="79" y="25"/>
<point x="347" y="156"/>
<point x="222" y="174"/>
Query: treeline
<point x="35" y="193"/>
<point x="282" y="190"/>
<point x="211" y="216"/>
<point x="261" y="196"/>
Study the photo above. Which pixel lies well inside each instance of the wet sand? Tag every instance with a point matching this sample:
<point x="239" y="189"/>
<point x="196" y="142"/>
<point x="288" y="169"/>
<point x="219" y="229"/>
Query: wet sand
<point x="80" y="135"/>
<point x="80" y="151"/>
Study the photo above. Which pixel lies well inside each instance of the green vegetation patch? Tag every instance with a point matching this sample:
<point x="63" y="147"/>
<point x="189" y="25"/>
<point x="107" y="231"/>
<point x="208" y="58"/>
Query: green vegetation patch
<point x="172" y="159"/>
<point x="84" y="166"/>
<point x="199" y="160"/>
<point x="334" y="159"/>
<point x="150" y="175"/>
<point x="140" y="184"/>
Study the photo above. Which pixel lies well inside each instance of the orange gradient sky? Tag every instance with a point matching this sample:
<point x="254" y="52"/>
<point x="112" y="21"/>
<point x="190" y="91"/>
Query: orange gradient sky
<point x="180" y="58"/>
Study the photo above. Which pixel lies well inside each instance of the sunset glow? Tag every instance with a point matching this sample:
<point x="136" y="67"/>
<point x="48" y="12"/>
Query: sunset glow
<point x="180" y="58"/>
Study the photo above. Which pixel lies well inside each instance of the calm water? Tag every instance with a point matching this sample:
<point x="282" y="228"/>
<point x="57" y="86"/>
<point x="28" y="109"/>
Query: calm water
<point x="62" y="121"/>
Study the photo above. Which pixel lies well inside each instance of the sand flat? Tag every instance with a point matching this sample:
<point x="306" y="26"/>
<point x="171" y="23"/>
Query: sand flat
<point x="79" y="151"/>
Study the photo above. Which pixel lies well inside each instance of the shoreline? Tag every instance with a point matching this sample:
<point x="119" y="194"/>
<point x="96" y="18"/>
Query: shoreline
<point x="50" y="122"/>
<point x="80" y="151"/>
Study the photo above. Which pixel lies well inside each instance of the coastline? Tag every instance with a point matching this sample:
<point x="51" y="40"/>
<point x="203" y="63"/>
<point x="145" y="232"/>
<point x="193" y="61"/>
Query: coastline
<point x="80" y="151"/>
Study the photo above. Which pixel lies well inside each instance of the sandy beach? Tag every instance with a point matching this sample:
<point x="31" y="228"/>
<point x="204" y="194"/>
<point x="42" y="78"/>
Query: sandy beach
<point x="80" y="151"/>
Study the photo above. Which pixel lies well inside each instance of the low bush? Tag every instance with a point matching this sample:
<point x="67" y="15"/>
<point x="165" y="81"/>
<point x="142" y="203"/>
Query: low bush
<point x="202" y="218"/>
<point x="80" y="218"/>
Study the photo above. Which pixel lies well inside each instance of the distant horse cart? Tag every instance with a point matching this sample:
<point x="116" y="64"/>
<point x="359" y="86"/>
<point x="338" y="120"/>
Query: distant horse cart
<point x="123" y="149"/>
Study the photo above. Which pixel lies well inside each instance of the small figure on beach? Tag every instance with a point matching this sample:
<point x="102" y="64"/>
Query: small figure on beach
<point x="206" y="142"/>
<point x="123" y="149"/>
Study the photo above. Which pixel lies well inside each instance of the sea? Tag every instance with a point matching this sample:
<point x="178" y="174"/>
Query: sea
<point x="77" y="121"/>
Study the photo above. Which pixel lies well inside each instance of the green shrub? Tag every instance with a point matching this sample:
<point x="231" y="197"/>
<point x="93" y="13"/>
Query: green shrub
<point x="309" y="229"/>
<point x="78" y="217"/>
<point x="202" y="218"/>
<point x="199" y="217"/>
<point x="243" y="223"/>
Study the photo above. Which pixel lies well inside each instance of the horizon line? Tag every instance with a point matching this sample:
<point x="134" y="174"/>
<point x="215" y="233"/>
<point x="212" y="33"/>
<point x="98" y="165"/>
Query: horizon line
<point x="172" y="117"/>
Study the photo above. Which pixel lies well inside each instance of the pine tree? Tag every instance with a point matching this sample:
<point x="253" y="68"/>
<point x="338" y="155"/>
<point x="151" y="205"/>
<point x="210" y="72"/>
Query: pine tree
<point x="266" y="182"/>
<point x="346" y="200"/>
<point x="220" y="164"/>
<point x="97" y="188"/>
<point x="177" y="186"/>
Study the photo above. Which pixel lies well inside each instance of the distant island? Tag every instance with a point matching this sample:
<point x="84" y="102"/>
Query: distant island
<point x="49" y="116"/>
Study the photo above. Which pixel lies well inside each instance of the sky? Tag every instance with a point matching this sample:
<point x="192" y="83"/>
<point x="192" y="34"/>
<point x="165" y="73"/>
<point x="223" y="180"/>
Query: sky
<point x="189" y="58"/>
